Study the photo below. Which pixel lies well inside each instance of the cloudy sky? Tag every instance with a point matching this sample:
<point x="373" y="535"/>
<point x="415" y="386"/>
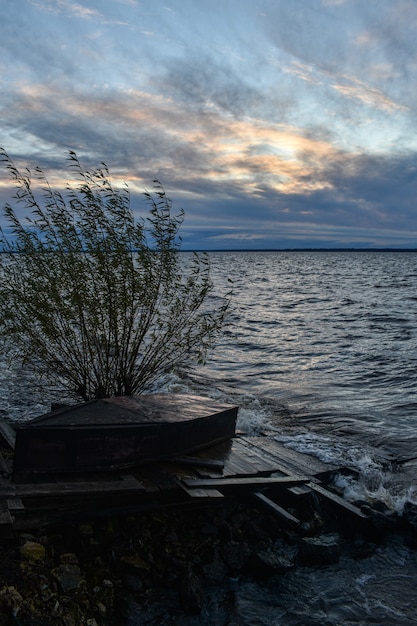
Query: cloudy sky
<point x="273" y="123"/>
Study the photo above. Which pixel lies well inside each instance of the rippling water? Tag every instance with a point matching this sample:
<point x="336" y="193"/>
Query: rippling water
<point x="323" y="347"/>
<point x="330" y="331"/>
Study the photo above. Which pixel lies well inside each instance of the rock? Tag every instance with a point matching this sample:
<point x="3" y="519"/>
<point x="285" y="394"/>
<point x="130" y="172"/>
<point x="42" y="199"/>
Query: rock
<point x="101" y="608"/>
<point x="382" y="519"/>
<point x="70" y="620"/>
<point x="235" y="554"/>
<point x="322" y="550"/>
<point x="192" y="594"/>
<point x="56" y="544"/>
<point x="11" y="598"/>
<point x="68" y="577"/>
<point x="33" y="552"/>
<point x="134" y="564"/>
<point x="69" y="558"/>
<point x="264" y="563"/>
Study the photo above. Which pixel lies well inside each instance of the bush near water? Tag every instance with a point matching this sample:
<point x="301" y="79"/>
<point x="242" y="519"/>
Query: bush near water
<point x="97" y="301"/>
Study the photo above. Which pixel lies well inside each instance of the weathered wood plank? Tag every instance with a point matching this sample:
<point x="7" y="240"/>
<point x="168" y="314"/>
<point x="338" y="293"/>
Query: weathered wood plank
<point x="254" y="456"/>
<point x="247" y="482"/>
<point x="161" y="476"/>
<point x="60" y="490"/>
<point x="202" y="493"/>
<point x="237" y="464"/>
<point x="300" y="490"/>
<point x="267" y="463"/>
<point x="243" y="462"/>
<point x="195" y="461"/>
<point x="8" y="433"/>
<point x="15" y="505"/>
<point x="287" y="459"/>
<point x="7" y="491"/>
<point x="238" y="467"/>
<point x="284" y="515"/>
<point x="338" y="500"/>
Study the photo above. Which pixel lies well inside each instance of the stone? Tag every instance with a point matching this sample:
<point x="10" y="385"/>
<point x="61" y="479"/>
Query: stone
<point x="265" y="563"/>
<point x="69" y="558"/>
<point x="101" y="608"/>
<point x="235" y="554"/>
<point x="68" y="577"/>
<point x="33" y="551"/>
<point x="134" y="564"/>
<point x="10" y="597"/>
<point x="322" y="550"/>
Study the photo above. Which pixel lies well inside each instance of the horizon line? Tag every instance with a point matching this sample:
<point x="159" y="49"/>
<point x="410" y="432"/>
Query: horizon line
<point x="304" y="249"/>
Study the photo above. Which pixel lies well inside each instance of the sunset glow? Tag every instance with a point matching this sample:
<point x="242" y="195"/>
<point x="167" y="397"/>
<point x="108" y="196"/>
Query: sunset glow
<point x="273" y="123"/>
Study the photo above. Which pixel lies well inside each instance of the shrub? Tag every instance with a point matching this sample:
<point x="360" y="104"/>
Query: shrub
<point x="100" y="302"/>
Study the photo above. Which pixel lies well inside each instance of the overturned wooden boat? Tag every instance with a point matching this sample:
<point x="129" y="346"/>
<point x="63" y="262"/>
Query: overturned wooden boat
<point x="119" y="432"/>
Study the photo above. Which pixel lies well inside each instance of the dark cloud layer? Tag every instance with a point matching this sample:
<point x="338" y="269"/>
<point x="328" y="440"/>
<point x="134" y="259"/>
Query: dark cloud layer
<point x="273" y="123"/>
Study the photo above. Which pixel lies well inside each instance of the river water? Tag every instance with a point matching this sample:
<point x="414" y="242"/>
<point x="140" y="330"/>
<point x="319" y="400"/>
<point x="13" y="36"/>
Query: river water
<point x="320" y="353"/>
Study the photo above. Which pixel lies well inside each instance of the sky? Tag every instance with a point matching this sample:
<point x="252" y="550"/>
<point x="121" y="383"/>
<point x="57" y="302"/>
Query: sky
<point x="272" y="123"/>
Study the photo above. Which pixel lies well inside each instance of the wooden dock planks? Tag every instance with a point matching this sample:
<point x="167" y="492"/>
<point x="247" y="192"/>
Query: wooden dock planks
<point x="244" y="466"/>
<point x="285" y="459"/>
<point x="288" y="518"/>
<point x="242" y="481"/>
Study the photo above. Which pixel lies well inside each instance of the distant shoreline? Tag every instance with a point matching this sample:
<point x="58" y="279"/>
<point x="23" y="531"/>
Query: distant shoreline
<point x="283" y="250"/>
<point x="301" y="250"/>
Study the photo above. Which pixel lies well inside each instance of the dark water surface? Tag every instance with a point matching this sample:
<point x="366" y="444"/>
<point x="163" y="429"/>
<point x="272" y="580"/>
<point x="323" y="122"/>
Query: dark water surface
<point x="321" y="353"/>
<point x="322" y="350"/>
<point x="323" y="347"/>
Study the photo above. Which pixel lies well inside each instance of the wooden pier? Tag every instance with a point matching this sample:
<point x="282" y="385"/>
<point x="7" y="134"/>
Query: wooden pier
<point x="291" y="485"/>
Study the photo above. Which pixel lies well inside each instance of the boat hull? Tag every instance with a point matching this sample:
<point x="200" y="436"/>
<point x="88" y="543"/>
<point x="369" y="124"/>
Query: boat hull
<point x="119" y="433"/>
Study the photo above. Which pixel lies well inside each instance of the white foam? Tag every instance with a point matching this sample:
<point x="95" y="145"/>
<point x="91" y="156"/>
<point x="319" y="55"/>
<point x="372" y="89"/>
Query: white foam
<point x="372" y="481"/>
<point x="252" y="420"/>
<point x="170" y="383"/>
<point x="329" y="450"/>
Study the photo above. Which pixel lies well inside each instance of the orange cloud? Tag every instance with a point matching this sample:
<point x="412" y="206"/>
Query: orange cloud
<point x="249" y="151"/>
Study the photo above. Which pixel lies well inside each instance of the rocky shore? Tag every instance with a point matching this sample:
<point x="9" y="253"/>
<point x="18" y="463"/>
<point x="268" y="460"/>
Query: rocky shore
<point x="160" y="566"/>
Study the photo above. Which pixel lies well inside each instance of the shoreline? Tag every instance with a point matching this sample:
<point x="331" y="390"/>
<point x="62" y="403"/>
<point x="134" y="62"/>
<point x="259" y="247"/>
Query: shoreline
<point x="166" y="563"/>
